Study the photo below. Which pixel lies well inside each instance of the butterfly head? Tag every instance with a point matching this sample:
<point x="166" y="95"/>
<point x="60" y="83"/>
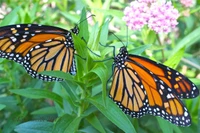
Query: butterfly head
<point x="121" y="57"/>
<point x="123" y="50"/>
<point x="75" y="30"/>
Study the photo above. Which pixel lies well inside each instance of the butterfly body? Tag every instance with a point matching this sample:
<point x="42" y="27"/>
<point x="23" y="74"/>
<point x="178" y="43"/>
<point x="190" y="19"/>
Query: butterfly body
<point x="141" y="86"/>
<point x="39" y="48"/>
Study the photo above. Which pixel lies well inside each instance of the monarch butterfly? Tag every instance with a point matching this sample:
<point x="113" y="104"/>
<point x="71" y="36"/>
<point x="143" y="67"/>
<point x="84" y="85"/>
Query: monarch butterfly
<point x="141" y="86"/>
<point x="39" y="48"/>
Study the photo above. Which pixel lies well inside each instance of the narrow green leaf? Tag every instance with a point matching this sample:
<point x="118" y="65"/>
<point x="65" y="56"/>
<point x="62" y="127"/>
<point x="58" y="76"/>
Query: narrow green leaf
<point x="11" y="18"/>
<point x="94" y="37"/>
<point x="67" y="90"/>
<point x="67" y="124"/>
<point x="44" y="111"/>
<point x="38" y="94"/>
<point x="83" y="26"/>
<point x="167" y="127"/>
<point x="4" y="81"/>
<point x="113" y="113"/>
<point x="33" y="12"/>
<point x="164" y="125"/>
<point x="9" y="101"/>
<point x="102" y="73"/>
<point x="58" y="74"/>
<point x="72" y="17"/>
<point x="35" y="127"/>
<point x="93" y="120"/>
<point x="174" y="60"/>
<point x="70" y="88"/>
<point x="140" y="49"/>
<point x="104" y="32"/>
<point x="187" y="41"/>
<point x="73" y="126"/>
<point x="13" y="120"/>
<point x="2" y="106"/>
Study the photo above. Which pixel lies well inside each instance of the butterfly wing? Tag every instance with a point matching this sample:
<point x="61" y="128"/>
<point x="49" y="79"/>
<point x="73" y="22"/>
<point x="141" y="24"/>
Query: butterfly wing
<point x="38" y="48"/>
<point x="138" y="91"/>
<point x="180" y="84"/>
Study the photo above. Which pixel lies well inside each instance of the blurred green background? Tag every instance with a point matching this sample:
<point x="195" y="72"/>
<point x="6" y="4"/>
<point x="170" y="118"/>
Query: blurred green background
<point x="81" y="104"/>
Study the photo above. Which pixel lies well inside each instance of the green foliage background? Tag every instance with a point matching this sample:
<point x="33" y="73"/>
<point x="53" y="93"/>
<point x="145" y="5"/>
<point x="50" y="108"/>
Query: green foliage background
<point x="81" y="104"/>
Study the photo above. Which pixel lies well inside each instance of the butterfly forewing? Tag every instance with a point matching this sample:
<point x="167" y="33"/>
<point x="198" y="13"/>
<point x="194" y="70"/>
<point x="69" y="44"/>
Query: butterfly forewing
<point x="180" y="84"/>
<point x="39" y="48"/>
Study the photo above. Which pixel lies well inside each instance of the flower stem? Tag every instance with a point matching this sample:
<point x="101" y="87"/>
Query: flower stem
<point x="162" y="51"/>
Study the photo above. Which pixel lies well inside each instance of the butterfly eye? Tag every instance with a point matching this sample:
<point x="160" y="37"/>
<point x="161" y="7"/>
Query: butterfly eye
<point x="39" y="48"/>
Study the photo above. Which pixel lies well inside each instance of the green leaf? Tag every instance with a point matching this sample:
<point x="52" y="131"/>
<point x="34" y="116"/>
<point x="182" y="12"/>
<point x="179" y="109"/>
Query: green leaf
<point x="14" y="119"/>
<point x="38" y="94"/>
<point x="72" y="17"/>
<point x="70" y="88"/>
<point x="102" y="73"/>
<point x="9" y="101"/>
<point x="174" y="60"/>
<point x="67" y="90"/>
<point x="44" y="111"/>
<point x="4" y="81"/>
<point x="113" y="113"/>
<point x="58" y="74"/>
<point x="93" y="120"/>
<point x="33" y="12"/>
<point x="187" y="41"/>
<point x="11" y="18"/>
<point x="167" y="127"/>
<point x="140" y="49"/>
<point x="83" y="26"/>
<point x="35" y="127"/>
<point x="148" y="36"/>
<point x="67" y="124"/>
<point x="94" y="38"/>
<point x="2" y="106"/>
<point x="164" y="125"/>
<point x="104" y="32"/>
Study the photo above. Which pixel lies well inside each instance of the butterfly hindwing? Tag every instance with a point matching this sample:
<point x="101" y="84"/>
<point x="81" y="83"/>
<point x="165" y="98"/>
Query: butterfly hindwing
<point x="128" y="92"/>
<point x="48" y="56"/>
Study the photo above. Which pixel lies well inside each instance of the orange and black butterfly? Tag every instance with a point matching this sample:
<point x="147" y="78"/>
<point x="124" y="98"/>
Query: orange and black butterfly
<point x="141" y="86"/>
<point x="39" y="48"/>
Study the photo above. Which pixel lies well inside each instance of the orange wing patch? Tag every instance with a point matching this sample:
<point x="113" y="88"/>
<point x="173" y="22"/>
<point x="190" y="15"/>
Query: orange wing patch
<point x="180" y="84"/>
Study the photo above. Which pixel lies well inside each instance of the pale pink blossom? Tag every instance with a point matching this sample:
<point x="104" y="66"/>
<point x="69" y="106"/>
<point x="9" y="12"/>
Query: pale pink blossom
<point x="136" y="15"/>
<point x="163" y="17"/>
<point x="147" y="1"/>
<point x="187" y="3"/>
<point x="158" y="16"/>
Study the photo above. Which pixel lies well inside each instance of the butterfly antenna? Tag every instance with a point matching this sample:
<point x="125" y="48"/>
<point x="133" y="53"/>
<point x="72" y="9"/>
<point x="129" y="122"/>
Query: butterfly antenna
<point x="89" y="48"/>
<point x="110" y="47"/>
<point x="118" y="38"/>
<point x="92" y="15"/>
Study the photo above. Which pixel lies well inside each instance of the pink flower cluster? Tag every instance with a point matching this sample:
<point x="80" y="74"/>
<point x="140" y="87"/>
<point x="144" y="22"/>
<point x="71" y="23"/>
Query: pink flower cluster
<point x="136" y="15"/>
<point x="147" y="1"/>
<point x="187" y="3"/>
<point x="160" y="17"/>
